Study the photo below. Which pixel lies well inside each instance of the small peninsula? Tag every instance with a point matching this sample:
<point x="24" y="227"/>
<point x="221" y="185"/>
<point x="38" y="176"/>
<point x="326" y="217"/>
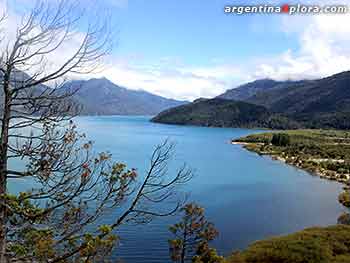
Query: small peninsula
<point x="325" y="153"/>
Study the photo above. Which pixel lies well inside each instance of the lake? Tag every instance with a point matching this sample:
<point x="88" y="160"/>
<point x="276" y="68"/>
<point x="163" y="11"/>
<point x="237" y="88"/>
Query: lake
<point x="246" y="196"/>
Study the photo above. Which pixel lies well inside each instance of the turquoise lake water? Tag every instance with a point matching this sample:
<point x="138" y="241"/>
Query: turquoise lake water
<point x="247" y="196"/>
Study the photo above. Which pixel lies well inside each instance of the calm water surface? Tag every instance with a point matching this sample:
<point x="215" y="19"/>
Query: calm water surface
<point x="248" y="197"/>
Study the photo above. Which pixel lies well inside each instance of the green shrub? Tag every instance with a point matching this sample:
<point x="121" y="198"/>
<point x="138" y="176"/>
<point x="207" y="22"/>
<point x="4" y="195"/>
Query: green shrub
<point x="280" y="139"/>
<point x="344" y="198"/>
<point x="344" y="219"/>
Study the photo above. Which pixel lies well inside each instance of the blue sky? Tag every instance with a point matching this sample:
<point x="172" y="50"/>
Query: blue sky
<point x="196" y="31"/>
<point x="187" y="49"/>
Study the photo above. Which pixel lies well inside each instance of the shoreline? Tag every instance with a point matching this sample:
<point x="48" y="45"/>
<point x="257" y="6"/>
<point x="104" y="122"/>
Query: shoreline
<point x="295" y="161"/>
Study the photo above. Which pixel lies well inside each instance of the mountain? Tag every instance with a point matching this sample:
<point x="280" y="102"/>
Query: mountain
<point x="324" y="95"/>
<point x="322" y="103"/>
<point x="102" y="97"/>
<point x="246" y="91"/>
<point x="219" y="112"/>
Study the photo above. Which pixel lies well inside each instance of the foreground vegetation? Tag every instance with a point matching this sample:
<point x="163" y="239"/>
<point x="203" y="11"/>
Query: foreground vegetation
<point x="313" y="245"/>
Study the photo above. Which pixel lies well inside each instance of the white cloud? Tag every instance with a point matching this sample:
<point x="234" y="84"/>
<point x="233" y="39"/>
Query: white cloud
<point x="181" y="83"/>
<point x="323" y="48"/>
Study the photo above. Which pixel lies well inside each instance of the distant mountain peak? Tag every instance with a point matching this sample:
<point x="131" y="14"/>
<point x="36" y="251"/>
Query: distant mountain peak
<point x="101" y="80"/>
<point x="100" y="96"/>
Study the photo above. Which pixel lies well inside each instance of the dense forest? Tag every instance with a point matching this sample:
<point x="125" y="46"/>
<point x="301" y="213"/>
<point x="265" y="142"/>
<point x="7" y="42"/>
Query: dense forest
<point x="225" y="113"/>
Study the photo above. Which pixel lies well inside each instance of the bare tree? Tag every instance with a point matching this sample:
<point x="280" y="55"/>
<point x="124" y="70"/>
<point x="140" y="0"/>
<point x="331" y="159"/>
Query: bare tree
<point x="72" y="186"/>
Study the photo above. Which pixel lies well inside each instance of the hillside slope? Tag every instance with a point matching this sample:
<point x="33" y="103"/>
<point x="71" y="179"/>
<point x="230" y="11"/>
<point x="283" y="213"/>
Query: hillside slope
<point x="223" y="113"/>
<point x="246" y="91"/>
<point x="323" y="103"/>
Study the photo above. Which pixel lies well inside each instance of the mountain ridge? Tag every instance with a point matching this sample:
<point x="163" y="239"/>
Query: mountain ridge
<point x="320" y="103"/>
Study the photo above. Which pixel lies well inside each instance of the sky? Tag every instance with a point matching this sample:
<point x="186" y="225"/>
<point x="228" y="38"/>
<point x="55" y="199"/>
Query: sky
<point x="186" y="49"/>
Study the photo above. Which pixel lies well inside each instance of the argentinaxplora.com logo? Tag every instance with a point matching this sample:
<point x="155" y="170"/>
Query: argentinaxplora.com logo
<point x="286" y="9"/>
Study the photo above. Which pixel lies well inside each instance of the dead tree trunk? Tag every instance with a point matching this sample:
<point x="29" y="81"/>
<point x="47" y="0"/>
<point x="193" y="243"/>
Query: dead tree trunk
<point x="3" y="165"/>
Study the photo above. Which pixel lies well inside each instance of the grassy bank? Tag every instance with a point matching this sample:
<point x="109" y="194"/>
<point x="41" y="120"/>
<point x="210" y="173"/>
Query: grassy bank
<point x="313" y="245"/>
